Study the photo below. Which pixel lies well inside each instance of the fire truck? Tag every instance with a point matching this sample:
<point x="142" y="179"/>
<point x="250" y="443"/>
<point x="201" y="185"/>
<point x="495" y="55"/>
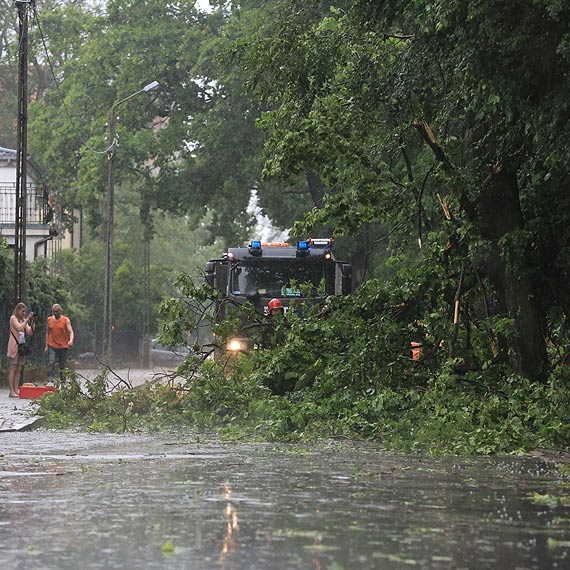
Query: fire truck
<point x="261" y="272"/>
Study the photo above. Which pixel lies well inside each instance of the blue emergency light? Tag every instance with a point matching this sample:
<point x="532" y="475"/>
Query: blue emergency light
<point x="303" y="248"/>
<point x="255" y="247"/>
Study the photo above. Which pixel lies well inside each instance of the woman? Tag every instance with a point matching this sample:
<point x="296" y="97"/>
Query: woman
<point x="19" y="328"/>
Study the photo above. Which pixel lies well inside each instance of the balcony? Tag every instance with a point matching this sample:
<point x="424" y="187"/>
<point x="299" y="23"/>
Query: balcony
<point x="39" y="218"/>
<point x="38" y="210"/>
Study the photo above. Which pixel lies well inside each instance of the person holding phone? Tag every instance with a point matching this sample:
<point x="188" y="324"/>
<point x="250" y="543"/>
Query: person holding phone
<point x="21" y="325"/>
<point x="59" y="338"/>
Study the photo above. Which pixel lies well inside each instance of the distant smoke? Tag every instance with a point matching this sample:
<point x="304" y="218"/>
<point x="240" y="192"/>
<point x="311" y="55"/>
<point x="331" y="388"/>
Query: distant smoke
<point x="264" y="230"/>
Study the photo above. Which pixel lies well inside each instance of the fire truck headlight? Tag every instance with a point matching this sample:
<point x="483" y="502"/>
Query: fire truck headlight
<point x="235" y="345"/>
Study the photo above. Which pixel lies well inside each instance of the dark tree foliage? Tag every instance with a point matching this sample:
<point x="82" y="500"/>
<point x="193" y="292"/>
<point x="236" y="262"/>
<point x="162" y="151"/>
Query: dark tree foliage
<point x="493" y="94"/>
<point x="444" y="120"/>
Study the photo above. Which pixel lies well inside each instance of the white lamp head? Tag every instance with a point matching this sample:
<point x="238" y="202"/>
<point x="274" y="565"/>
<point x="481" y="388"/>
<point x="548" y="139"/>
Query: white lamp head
<point x="151" y="86"/>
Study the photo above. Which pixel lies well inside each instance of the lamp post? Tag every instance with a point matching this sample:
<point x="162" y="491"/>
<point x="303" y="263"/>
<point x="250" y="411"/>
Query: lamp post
<point x="109" y="229"/>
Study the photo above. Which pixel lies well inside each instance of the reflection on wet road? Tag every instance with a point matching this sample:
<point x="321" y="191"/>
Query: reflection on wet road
<point x="73" y="500"/>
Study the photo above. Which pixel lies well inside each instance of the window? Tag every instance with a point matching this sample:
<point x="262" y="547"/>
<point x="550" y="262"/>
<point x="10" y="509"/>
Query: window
<point x="275" y="278"/>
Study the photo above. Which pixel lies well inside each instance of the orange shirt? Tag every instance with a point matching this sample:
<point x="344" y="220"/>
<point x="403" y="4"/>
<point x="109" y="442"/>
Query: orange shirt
<point x="57" y="332"/>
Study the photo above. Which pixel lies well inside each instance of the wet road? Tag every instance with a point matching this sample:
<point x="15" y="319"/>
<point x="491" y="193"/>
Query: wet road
<point x="71" y="500"/>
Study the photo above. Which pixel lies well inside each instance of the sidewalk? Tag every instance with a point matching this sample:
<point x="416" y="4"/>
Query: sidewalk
<point x="16" y="414"/>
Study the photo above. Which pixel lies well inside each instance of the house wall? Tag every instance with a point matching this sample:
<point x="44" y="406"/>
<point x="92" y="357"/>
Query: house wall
<point x="7" y="174"/>
<point x="37" y="229"/>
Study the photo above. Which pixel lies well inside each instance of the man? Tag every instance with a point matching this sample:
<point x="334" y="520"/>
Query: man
<point x="275" y="307"/>
<point x="272" y="333"/>
<point x="59" y="338"/>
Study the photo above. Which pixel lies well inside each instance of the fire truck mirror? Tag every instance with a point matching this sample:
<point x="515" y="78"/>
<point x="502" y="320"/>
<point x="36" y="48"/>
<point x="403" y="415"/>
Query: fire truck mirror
<point x="221" y="277"/>
<point x="209" y="273"/>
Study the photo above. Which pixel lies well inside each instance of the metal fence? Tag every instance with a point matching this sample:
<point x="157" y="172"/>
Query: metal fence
<point x="38" y="210"/>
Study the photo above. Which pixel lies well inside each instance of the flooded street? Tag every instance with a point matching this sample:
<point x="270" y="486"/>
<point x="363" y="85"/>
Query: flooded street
<point x="72" y="500"/>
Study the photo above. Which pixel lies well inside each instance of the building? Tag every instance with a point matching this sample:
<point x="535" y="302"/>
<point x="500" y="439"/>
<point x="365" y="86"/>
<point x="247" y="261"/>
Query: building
<point x="45" y="235"/>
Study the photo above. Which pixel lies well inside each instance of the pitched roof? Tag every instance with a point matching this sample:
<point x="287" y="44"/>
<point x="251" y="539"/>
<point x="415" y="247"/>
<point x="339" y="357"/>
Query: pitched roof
<point x="7" y="154"/>
<point x="8" y="157"/>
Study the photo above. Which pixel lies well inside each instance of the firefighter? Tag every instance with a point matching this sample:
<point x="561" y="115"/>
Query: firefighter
<point x="272" y="332"/>
<point x="275" y="307"/>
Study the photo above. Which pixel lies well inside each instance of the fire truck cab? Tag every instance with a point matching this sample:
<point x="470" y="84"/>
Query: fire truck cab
<point x="264" y="271"/>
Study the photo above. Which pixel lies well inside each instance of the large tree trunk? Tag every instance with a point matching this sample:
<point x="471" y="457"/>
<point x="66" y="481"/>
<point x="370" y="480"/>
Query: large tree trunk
<point x="359" y="259"/>
<point x="316" y="186"/>
<point x="499" y="214"/>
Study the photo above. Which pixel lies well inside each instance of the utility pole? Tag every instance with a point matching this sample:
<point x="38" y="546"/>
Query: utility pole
<point x="24" y="8"/>
<point x="147" y="236"/>
<point x="109" y="231"/>
<point x="110" y="223"/>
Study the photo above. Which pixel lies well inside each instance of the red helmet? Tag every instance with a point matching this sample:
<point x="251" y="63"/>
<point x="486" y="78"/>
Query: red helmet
<point x="275" y="304"/>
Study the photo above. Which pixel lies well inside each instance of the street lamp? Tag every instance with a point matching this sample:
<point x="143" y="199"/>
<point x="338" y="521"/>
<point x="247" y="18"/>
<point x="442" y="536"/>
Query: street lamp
<point x="109" y="230"/>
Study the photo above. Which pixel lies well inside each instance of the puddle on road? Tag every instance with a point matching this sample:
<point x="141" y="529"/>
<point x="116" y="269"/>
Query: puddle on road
<point x="70" y="500"/>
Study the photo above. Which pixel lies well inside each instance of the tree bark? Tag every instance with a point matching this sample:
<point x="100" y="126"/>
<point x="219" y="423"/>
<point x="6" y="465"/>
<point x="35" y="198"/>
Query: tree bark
<point x="499" y="213"/>
<point x="359" y="258"/>
<point x="316" y="187"/>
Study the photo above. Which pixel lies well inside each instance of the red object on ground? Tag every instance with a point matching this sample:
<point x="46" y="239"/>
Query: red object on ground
<point x="35" y="391"/>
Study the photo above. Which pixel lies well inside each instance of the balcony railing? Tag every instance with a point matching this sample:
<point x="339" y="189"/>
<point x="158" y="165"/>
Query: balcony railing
<point x="38" y="209"/>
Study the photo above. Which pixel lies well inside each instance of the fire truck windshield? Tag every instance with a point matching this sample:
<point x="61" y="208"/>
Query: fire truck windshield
<point x="279" y="278"/>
